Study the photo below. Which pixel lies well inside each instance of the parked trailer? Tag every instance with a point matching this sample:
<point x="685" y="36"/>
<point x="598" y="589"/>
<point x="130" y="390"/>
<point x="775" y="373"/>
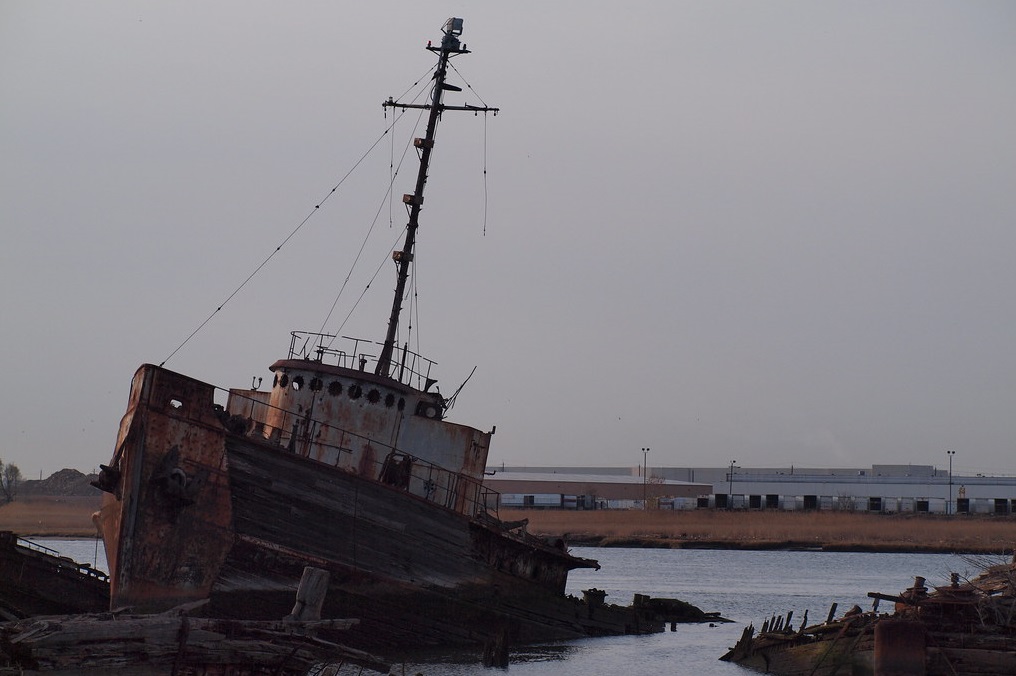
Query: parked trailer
<point x="536" y="501"/>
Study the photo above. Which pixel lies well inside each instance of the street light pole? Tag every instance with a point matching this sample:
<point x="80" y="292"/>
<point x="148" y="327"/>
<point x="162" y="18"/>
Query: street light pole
<point x="645" y="473"/>
<point x="730" y="486"/>
<point x="948" y="505"/>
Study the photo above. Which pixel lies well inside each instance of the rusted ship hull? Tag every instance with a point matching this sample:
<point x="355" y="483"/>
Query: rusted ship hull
<point x="412" y="572"/>
<point x="195" y="510"/>
<point x="37" y="581"/>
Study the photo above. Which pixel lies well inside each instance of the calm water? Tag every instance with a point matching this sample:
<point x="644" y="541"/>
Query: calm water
<point x="743" y="586"/>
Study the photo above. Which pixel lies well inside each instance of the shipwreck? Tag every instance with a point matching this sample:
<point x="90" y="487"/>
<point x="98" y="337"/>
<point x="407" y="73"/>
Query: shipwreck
<point x="964" y="628"/>
<point x="348" y="465"/>
<point x="36" y="580"/>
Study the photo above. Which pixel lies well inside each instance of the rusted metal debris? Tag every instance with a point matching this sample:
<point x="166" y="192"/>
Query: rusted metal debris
<point x="960" y="628"/>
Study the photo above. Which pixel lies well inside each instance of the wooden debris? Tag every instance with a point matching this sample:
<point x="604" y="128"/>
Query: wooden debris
<point x="173" y="643"/>
<point x="956" y="629"/>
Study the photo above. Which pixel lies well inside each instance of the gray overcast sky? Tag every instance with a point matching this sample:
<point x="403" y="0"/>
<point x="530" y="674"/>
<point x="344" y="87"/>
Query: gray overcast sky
<point x="777" y="232"/>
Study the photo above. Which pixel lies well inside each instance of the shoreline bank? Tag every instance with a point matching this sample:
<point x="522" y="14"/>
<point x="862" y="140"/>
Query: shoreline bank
<point x="773" y="530"/>
<point x="71" y="517"/>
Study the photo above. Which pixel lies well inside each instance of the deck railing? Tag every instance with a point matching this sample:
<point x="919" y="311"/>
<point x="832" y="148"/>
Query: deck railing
<point x="82" y="568"/>
<point x="454" y="490"/>
<point x="408" y="367"/>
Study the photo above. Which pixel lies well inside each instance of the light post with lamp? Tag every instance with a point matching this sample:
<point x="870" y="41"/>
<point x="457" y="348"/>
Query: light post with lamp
<point x="730" y="486"/>
<point x="948" y="505"/>
<point x="645" y="476"/>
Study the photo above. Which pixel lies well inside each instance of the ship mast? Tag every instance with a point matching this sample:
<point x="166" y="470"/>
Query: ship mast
<point x="450" y="46"/>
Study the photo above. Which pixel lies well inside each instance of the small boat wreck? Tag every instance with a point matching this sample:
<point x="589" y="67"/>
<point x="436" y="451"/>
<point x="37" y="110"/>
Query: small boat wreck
<point x="348" y="464"/>
<point x="35" y="580"/>
<point x="963" y="628"/>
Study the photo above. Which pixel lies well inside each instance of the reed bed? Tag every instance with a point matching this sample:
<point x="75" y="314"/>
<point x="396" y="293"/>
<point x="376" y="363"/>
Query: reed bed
<point x="774" y="529"/>
<point x="50" y="516"/>
<point x="848" y="531"/>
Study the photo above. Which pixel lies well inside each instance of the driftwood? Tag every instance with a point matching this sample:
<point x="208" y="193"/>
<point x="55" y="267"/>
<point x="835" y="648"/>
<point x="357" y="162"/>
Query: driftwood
<point x="173" y="643"/>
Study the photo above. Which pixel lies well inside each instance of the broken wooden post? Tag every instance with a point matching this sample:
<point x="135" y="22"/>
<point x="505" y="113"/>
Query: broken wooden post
<point x="900" y="648"/>
<point x="311" y="595"/>
<point x="496" y="648"/>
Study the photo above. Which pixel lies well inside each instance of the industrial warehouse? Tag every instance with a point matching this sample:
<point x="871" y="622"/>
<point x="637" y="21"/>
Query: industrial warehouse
<point x="879" y="488"/>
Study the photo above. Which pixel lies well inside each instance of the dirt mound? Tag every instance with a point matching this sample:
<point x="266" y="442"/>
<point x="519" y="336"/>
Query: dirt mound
<point x="66" y="483"/>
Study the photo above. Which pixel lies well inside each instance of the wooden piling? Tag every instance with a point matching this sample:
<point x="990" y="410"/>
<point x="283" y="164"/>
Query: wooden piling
<point x="310" y="596"/>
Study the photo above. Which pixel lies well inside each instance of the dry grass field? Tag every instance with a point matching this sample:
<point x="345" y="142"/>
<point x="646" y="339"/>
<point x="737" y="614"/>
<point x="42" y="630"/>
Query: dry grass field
<point x="50" y="516"/>
<point x="72" y="517"/>
<point x="768" y="530"/>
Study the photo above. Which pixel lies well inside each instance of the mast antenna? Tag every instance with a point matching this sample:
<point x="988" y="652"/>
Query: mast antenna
<point x="450" y="46"/>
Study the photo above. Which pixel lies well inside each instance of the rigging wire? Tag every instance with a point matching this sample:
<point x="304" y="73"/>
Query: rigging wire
<point x="364" y="292"/>
<point x="295" y="230"/>
<point x="393" y="174"/>
<point x="465" y="82"/>
<point x="277" y="249"/>
<point x="484" y="174"/>
<point x="370" y="230"/>
<point x="470" y="88"/>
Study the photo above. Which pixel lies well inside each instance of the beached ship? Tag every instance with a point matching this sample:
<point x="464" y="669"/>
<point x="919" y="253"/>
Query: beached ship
<point x="347" y="465"/>
<point x="36" y="580"/>
<point x="960" y="629"/>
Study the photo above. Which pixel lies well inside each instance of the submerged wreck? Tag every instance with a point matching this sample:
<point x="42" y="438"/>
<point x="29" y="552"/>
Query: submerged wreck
<point x="347" y="464"/>
<point x="964" y="628"/>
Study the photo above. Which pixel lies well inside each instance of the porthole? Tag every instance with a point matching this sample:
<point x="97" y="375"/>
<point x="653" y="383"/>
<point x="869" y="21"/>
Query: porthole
<point x="389" y="400"/>
<point x="298" y="383"/>
<point x="355" y="391"/>
<point x="315" y="385"/>
<point x="275" y="382"/>
<point x="283" y="380"/>
<point x="402" y="404"/>
<point x="335" y="388"/>
<point x="373" y="396"/>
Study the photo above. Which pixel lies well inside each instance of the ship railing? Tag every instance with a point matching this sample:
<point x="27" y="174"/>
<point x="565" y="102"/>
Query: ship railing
<point x="455" y="490"/>
<point x="409" y="368"/>
<point x="35" y="546"/>
<point x="83" y="568"/>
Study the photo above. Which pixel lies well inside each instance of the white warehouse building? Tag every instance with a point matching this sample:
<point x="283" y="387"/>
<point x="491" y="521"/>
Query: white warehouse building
<point x="880" y="488"/>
